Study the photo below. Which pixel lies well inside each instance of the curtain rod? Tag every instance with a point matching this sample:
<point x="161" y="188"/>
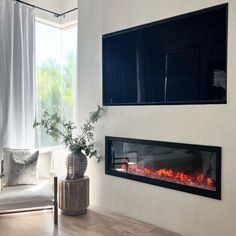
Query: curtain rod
<point x="43" y="9"/>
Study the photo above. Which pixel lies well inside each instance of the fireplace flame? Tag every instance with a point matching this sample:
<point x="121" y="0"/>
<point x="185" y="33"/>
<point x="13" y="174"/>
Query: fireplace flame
<point x="199" y="178"/>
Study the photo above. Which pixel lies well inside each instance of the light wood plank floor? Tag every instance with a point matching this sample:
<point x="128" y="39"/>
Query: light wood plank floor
<point x="94" y="223"/>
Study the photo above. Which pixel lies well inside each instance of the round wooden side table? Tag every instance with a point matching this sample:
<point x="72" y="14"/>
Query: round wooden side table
<point x="74" y="196"/>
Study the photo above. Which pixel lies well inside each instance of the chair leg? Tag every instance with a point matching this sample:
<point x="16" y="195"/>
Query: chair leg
<point x="1" y="174"/>
<point x="55" y="204"/>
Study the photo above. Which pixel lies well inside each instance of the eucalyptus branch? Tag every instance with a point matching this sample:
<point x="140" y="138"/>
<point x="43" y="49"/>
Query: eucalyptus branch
<point x="58" y="128"/>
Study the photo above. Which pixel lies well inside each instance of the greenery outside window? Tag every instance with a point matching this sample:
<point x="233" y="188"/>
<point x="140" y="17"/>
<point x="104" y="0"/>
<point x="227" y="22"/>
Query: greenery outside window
<point x="55" y="74"/>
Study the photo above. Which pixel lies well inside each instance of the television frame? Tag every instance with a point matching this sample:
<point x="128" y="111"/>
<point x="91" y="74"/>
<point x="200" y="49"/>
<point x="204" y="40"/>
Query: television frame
<point x="198" y="102"/>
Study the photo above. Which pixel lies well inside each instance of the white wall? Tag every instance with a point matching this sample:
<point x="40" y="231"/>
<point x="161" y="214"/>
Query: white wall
<point x="185" y="213"/>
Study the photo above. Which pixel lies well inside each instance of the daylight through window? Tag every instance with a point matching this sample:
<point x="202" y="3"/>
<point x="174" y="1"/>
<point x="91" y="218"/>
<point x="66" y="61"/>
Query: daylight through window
<point x="55" y="74"/>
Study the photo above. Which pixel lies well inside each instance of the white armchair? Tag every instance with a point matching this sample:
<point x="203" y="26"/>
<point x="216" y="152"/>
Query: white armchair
<point x="28" y="197"/>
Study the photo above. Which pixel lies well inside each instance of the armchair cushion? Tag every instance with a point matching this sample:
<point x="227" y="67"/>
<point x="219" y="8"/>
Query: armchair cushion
<point x="44" y="163"/>
<point x="26" y="196"/>
<point x="23" y="171"/>
<point x="19" y="153"/>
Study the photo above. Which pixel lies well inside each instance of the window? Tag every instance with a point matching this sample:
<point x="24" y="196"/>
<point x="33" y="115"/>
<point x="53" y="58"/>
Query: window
<point x="55" y="74"/>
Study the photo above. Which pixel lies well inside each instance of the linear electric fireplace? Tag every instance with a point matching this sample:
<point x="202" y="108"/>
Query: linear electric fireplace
<point x="185" y="167"/>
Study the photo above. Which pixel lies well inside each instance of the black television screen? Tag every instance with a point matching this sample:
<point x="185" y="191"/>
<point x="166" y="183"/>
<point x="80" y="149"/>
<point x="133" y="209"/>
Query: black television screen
<point x="180" y="60"/>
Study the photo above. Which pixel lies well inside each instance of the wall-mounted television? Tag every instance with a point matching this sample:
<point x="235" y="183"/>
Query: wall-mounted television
<point x="179" y="60"/>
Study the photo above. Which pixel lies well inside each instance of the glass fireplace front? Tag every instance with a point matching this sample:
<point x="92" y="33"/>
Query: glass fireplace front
<point x="185" y="167"/>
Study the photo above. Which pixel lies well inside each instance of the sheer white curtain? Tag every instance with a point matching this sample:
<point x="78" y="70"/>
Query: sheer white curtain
<point x="17" y="77"/>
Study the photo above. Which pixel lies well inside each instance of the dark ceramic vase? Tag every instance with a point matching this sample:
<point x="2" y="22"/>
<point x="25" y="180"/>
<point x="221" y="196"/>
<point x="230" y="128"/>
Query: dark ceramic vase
<point x="76" y="164"/>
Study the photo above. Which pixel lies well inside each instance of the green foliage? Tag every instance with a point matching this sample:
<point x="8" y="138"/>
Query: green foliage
<point x="58" y="128"/>
<point x="55" y="83"/>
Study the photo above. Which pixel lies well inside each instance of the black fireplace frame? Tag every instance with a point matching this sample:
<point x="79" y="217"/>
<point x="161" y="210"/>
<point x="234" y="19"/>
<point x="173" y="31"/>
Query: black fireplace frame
<point x="202" y="192"/>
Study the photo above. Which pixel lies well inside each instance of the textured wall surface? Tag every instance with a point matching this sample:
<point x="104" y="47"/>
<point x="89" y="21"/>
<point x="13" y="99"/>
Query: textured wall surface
<point x="184" y="213"/>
